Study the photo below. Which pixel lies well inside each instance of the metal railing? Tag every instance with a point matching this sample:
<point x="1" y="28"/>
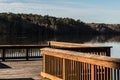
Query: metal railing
<point x="70" y="65"/>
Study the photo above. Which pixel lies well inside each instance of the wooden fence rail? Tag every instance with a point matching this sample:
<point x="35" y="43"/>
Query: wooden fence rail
<point x="32" y="51"/>
<point x="20" y="51"/>
<point x="70" y="65"/>
<point x="90" y="49"/>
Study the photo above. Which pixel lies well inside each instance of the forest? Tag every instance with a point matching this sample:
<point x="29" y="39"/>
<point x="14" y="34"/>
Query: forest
<point x="34" y="24"/>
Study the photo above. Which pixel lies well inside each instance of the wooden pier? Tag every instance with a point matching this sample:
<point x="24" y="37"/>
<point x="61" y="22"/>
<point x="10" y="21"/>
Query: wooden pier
<point x="65" y="61"/>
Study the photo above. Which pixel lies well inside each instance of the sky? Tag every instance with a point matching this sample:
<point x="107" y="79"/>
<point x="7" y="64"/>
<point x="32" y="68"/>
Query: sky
<point x="89" y="11"/>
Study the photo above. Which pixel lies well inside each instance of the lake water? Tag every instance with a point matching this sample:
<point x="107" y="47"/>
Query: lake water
<point x="113" y="41"/>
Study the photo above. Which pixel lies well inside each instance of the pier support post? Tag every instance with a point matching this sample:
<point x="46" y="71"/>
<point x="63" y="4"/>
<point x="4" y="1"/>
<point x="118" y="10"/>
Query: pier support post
<point x="3" y="55"/>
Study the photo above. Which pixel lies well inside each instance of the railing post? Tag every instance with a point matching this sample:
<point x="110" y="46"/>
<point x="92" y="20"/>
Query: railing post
<point x="64" y="69"/>
<point x="49" y="44"/>
<point x="3" y="55"/>
<point x="108" y="52"/>
<point x="44" y="62"/>
<point x="93" y="72"/>
<point x="27" y="56"/>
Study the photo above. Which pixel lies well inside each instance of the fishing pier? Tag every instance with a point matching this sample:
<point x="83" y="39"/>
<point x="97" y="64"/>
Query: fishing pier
<point x="68" y="61"/>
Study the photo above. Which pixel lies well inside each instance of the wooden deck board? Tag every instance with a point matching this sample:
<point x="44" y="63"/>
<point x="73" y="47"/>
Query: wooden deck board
<point x="28" y="70"/>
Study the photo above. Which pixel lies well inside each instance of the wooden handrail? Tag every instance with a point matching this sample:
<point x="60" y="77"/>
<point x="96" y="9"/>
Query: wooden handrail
<point x="86" y="48"/>
<point x="23" y="46"/>
<point x="87" y="58"/>
<point x="74" y="45"/>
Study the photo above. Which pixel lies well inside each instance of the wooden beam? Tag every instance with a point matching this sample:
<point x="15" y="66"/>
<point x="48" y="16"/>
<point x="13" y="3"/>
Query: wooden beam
<point x="23" y="46"/>
<point x="73" y="45"/>
<point x="50" y="76"/>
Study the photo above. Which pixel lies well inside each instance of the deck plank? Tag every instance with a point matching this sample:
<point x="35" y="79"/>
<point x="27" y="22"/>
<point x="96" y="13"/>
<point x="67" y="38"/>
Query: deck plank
<point x="29" y="70"/>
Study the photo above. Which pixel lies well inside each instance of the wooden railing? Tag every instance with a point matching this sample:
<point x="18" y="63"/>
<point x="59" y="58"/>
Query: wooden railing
<point x="70" y="65"/>
<point x="32" y="51"/>
<point x="98" y="50"/>
<point x="20" y="51"/>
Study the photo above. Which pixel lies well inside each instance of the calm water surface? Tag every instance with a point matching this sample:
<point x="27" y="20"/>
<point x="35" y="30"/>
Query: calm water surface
<point x="113" y="41"/>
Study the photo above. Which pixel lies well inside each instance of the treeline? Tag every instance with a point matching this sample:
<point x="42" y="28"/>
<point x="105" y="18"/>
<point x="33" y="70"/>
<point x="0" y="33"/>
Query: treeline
<point x="33" y="24"/>
<point x="108" y="29"/>
<point x="37" y="24"/>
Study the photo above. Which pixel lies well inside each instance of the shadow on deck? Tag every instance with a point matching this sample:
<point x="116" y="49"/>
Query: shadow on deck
<point x="4" y="66"/>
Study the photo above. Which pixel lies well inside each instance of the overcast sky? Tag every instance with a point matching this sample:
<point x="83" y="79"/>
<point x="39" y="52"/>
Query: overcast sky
<point x="97" y="11"/>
